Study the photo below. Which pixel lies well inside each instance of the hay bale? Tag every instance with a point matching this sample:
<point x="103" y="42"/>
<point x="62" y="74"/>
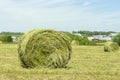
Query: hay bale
<point x="75" y="43"/>
<point x="111" y="46"/>
<point x="0" y="42"/>
<point x="46" y="48"/>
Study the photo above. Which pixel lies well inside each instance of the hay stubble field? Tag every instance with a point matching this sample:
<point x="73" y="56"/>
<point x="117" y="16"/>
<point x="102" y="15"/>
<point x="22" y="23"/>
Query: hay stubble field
<point x="86" y="63"/>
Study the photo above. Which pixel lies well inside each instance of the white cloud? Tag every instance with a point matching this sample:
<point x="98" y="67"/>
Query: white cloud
<point x="34" y="13"/>
<point x="29" y="7"/>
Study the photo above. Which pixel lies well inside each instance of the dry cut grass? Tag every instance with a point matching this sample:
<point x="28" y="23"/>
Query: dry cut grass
<point x="87" y="63"/>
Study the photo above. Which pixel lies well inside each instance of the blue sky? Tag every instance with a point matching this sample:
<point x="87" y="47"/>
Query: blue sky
<point x="65" y="15"/>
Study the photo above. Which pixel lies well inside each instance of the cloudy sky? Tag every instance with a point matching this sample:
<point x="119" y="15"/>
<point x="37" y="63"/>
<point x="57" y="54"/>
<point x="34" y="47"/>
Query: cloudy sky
<point x="65" y="15"/>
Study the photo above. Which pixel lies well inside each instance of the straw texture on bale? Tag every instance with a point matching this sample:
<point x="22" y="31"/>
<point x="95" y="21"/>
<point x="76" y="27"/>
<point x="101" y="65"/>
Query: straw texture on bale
<point x="46" y="48"/>
<point x="111" y="46"/>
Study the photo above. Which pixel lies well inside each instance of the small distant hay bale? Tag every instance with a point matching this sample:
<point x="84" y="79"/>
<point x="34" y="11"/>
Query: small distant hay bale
<point x="0" y="42"/>
<point x="111" y="46"/>
<point x="75" y="43"/>
<point x="44" y="48"/>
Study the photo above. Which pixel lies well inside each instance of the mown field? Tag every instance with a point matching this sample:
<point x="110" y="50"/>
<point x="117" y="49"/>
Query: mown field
<point x="87" y="63"/>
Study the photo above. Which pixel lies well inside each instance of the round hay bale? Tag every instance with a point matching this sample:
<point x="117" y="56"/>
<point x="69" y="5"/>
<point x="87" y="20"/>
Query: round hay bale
<point x="48" y="48"/>
<point x="75" y="43"/>
<point x="111" y="46"/>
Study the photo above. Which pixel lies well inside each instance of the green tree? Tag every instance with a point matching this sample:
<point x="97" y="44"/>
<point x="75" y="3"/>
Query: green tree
<point x="7" y="39"/>
<point x="85" y="40"/>
<point x="117" y="39"/>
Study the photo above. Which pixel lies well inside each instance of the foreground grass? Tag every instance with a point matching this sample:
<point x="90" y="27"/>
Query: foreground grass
<point x="87" y="63"/>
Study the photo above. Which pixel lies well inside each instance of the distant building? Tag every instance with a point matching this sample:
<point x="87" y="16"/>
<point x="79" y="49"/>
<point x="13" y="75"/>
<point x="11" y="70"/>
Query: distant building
<point x="77" y="34"/>
<point x="91" y="38"/>
<point x="100" y="37"/>
<point x="107" y="38"/>
<point x="112" y="35"/>
<point x="15" y="38"/>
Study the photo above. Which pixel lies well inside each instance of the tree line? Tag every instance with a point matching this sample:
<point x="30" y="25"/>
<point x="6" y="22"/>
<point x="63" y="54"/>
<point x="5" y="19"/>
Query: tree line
<point x="6" y="37"/>
<point x="11" y="33"/>
<point x="82" y="40"/>
<point x="90" y="33"/>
